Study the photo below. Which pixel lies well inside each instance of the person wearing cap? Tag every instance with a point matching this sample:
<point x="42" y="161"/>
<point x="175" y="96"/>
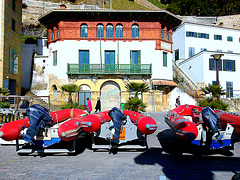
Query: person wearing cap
<point x="25" y="103"/>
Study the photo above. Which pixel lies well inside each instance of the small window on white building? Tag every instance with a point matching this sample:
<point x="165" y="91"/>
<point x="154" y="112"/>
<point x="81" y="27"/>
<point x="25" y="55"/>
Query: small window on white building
<point x="203" y="49"/>
<point x="217" y="37"/>
<point x="230" y="38"/>
<point x="54" y="58"/>
<point x="229" y="89"/>
<point x="191" y="51"/>
<point x="165" y="59"/>
<point x="176" y="54"/>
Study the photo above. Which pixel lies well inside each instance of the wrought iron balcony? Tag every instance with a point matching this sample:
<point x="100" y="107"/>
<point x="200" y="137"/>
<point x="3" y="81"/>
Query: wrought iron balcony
<point x="128" y="69"/>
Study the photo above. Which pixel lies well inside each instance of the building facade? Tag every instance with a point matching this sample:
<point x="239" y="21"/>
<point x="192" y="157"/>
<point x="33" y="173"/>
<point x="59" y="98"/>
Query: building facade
<point x="10" y="45"/>
<point x="101" y="51"/>
<point x="193" y="46"/>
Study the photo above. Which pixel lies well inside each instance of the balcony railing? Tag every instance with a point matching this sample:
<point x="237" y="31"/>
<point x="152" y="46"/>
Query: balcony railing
<point x="141" y="69"/>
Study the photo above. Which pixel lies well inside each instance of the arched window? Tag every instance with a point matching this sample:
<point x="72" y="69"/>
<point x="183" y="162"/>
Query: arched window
<point x="119" y="31"/>
<point x="167" y="36"/>
<point x="57" y="33"/>
<point x="135" y="33"/>
<point x="84" y="31"/>
<point x="100" y="31"/>
<point x="52" y="35"/>
<point x="109" y="31"/>
<point x="162" y="34"/>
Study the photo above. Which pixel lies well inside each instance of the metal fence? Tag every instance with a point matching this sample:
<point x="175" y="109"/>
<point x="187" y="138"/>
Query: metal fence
<point x="10" y="106"/>
<point x="51" y="5"/>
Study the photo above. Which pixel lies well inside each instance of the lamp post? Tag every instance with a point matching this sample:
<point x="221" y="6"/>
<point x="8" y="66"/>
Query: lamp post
<point x="217" y="57"/>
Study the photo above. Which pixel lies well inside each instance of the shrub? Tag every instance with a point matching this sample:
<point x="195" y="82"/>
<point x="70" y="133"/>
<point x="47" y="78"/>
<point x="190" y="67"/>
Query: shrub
<point x="4" y="104"/>
<point x="213" y="103"/>
<point x="71" y="106"/>
<point x="135" y="104"/>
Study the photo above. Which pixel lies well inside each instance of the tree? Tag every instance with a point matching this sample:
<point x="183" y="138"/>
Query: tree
<point x="70" y="88"/>
<point x="213" y="90"/>
<point x="4" y="92"/>
<point x="137" y="87"/>
<point x="212" y="102"/>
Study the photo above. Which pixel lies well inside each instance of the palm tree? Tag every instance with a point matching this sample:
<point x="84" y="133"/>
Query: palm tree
<point x="70" y="88"/>
<point x="137" y="87"/>
<point x="213" y="90"/>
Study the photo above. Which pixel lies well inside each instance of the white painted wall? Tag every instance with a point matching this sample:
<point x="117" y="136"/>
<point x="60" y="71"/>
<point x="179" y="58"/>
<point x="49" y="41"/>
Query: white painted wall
<point x="184" y="98"/>
<point x="182" y="42"/>
<point x="67" y="52"/>
<point x="200" y="73"/>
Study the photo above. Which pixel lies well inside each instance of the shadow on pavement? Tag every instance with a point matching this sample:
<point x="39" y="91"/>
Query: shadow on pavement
<point x="196" y="164"/>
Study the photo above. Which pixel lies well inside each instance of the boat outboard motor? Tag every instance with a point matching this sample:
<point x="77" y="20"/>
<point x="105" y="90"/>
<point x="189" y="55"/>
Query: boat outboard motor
<point x="118" y="119"/>
<point x="211" y="120"/>
<point x="39" y="118"/>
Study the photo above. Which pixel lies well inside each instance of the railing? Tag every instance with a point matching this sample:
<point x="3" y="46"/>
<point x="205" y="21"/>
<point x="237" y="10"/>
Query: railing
<point x="109" y="69"/>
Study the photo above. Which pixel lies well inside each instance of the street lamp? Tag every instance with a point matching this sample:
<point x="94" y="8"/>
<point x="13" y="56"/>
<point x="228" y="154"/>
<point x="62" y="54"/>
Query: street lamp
<point x="217" y="57"/>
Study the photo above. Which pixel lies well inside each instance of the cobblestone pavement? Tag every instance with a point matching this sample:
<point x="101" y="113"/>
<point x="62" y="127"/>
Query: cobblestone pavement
<point x="166" y="158"/>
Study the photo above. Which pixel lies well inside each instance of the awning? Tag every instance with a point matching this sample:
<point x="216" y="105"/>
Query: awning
<point x="164" y="83"/>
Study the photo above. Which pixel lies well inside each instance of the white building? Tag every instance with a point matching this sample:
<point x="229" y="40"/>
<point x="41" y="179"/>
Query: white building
<point x="193" y="46"/>
<point x="101" y="51"/>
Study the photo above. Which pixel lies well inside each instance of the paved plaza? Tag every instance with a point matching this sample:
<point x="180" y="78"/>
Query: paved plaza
<point x="166" y="158"/>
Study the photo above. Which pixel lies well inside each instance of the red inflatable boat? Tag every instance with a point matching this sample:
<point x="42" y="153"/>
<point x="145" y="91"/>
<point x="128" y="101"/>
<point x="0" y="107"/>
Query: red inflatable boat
<point x="184" y="119"/>
<point x="92" y="123"/>
<point x="11" y="131"/>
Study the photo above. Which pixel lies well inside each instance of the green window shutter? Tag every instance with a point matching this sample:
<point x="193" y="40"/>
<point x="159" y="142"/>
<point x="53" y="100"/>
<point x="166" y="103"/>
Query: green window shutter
<point x="187" y="34"/>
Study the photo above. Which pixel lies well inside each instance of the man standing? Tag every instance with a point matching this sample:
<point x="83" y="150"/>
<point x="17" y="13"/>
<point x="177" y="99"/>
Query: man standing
<point x="98" y="105"/>
<point x="178" y="101"/>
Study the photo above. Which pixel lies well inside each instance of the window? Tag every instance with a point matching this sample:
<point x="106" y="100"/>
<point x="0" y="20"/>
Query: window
<point x="203" y="35"/>
<point x="13" y="24"/>
<point x="13" y="61"/>
<point x="217" y="37"/>
<point x="229" y="89"/>
<point x="176" y="54"/>
<point x="135" y="33"/>
<point x="229" y="51"/>
<point x="228" y="65"/>
<point x="84" y="31"/>
<point x="84" y="60"/>
<point x="109" y="31"/>
<point x="110" y="61"/>
<point x="167" y="36"/>
<point x="212" y="64"/>
<point x="119" y="31"/>
<point x="203" y="49"/>
<point x="57" y="33"/>
<point x="191" y="34"/>
<point x="13" y="5"/>
<point x="54" y="58"/>
<point x="230" y="38"/>
<point x="191" y="51"/>
<point x="135" y="60"/>
<point x="52" y="35"/>
<point x="164" y="59"/>
<point x="162" y="34"/>
<point x="100" y="31"/>
<point x="219" y="50"/>
<point x="45" y="43"/>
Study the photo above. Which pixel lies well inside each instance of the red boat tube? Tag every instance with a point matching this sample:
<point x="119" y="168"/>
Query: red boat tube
<point x="145" y="124"/>
<point x="231" y="118"/>
<point x="184" y="129"/>
<point x="90" y="123"/>
<point x="11" y="131"/>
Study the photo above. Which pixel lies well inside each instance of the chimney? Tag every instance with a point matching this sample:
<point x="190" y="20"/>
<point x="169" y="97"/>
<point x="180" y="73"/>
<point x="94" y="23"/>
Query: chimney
<point x="63" y="6"/>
